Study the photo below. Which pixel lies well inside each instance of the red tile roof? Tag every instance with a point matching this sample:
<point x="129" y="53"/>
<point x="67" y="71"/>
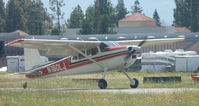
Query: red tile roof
<point x="182" y="29"/>
<point x="21" y="33"/>
<point x="137" y="17"/>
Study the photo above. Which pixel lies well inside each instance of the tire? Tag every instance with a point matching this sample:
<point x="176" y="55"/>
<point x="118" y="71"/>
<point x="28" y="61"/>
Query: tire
<point x="134" y="83"/>
<point x="25" y="85"/>
<point x="102" y="84"/>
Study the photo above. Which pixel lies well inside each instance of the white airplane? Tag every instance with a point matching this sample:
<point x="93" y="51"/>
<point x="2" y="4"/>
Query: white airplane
<point x="86" y="57"/>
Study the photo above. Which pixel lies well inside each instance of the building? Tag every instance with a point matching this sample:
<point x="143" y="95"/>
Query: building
<point x="136" y="20"/>
<point x="190" y="44"/>
<point x="10" y="51"/>
<point x="169" y="61"/>
<point x="139" y="23"/>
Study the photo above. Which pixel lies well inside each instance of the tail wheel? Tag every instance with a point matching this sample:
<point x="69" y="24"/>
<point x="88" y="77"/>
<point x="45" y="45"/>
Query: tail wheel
<point x="134" y="83"/>
<point x="25" y="85"/>
<point x="102" y="84"/>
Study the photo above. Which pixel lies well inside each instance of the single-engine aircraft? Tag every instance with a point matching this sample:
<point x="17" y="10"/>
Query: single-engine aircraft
<point x="86" y="57"/>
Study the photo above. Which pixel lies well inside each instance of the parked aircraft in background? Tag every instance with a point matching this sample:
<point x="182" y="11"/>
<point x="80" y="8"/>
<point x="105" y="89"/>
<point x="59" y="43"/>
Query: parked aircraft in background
<point x="86" y="57"/>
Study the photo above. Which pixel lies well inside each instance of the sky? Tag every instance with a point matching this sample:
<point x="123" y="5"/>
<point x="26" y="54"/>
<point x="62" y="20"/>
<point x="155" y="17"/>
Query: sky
<point x="164" y="7"/>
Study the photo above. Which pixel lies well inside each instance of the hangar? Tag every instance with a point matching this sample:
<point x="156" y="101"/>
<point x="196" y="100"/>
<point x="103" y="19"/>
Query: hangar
<point x="132" y="31"/>
<point x="191" y="43"/>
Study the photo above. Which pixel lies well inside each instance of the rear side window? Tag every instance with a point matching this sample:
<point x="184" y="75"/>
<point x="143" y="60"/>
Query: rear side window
<point x="92" y="51"/>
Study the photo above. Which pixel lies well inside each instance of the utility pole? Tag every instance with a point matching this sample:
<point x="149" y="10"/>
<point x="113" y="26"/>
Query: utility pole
<point x="56" y="8"/>
<point x="36" y="21"/>
<point x="191" y="14"/>
<point x="97" y="13"/>
<point x="58" y="16"/>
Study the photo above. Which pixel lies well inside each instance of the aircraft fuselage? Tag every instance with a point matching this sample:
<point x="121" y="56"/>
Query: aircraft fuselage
<point x="112" y="59"/>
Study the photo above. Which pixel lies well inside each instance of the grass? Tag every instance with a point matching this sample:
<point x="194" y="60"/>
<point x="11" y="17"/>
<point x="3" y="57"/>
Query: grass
<point x="48" y="98"/>
<point x="115" y="80"/>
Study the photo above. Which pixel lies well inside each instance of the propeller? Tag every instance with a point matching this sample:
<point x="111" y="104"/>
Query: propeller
<point x="133" y="49"/>
<point x="141" y="43"/>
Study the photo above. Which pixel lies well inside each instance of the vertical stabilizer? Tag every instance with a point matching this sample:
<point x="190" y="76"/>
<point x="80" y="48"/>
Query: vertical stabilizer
<point x="32" y="58"/>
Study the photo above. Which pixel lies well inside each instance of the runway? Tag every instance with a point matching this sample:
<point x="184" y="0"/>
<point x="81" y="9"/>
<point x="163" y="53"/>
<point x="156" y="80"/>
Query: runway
<point x="128" y="91"/>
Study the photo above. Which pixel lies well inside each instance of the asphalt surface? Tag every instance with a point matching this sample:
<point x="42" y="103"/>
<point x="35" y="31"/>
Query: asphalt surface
<point x="129" y="91"/>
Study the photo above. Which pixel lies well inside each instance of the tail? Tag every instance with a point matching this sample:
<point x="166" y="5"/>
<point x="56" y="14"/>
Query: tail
<point x="32" y="58"/>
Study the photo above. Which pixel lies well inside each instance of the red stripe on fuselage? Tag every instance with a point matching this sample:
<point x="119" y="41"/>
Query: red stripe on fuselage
<point x="97" y="60"/>
<point x="45" y="70"/>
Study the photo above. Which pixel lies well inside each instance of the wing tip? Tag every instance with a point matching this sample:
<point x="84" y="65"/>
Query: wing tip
<point x="14" y="41"/>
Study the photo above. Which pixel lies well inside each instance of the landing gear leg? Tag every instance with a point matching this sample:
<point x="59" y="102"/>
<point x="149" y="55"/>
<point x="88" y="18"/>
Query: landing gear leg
<point x="133" y="82"/>
<point x="102" y="84"/>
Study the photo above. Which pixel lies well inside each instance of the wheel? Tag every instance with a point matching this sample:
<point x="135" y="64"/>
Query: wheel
<point x="25" y="85"/>
<point x="134" y="83"/>
<point x="102" y="84"/>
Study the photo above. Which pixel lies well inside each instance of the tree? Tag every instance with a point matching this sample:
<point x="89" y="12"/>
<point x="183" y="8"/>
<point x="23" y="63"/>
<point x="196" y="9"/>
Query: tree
<point x="2" y="16"/>
<point x="136" y="8"/>
<point x="29" y="16"/>
<point x="156" y="18"/>
<point x="75" y="18"/>
<point x="38" y="18"/>
<point x="104" y="16"/>
<point x="194" y="8"/>
<point x="87" y="24"/>
<point x="181" y="14"/>
<point x="121" y="10"/>
<point x="186" y="14"/>
<point x="56" y="8"/>
<point x="100" y="18"/>
<point x="15" y="18"/>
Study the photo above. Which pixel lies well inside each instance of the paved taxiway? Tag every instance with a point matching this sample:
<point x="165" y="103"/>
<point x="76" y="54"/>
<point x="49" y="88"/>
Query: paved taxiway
<point x="129" y="91"/>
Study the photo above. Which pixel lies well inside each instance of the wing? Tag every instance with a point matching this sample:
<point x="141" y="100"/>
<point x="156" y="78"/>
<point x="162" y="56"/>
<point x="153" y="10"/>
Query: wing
<point x="150" y="42"/>
<point x="55" y="47"/>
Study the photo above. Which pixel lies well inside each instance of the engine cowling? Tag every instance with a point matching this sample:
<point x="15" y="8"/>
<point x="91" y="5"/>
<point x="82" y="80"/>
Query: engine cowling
<point x="132" y="55"/>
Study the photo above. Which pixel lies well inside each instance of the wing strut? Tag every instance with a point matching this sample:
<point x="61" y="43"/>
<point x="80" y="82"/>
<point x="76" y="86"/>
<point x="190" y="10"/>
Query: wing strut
<point x="75" y="49"/>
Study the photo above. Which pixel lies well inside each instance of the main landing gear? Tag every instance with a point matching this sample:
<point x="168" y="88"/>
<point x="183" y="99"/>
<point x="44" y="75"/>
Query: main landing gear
<point x="102" y="83"/>
<point x="133" y="82"/>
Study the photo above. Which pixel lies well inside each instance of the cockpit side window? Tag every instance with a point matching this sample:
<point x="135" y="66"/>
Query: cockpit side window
<point x="107" y="44"/>
<point x="103" y="47"/>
